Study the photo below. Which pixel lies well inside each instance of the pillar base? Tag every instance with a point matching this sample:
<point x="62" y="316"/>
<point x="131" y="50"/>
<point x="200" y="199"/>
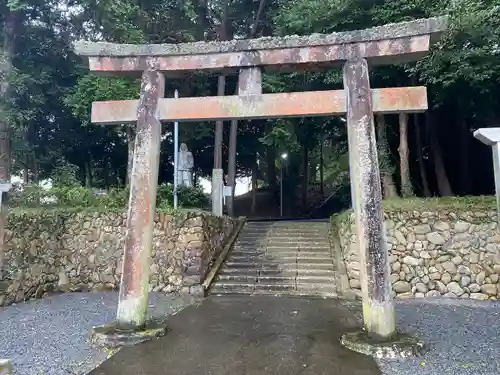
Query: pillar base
<point x="5" y="367"/>
<point x="109" y="335"/>
<point x="399" y="345"/>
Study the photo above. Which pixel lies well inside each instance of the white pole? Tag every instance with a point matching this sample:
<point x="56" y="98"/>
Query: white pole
<point x="176" y="155"/>
<point x="281" y="188"/>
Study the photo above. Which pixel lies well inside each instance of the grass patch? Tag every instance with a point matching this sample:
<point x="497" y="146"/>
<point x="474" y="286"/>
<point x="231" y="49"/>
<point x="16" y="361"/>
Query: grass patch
<point x="443" y="203"/>
<point x="457" y="204"/>
<point x="55" y="210"/>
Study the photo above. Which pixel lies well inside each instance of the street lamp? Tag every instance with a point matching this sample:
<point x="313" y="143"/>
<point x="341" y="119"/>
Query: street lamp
<point x="283" y="158"/>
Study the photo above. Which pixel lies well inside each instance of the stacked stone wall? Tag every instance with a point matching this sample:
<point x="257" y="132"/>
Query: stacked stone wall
<point x="57" y="250"/>
<point x="431" y="253"/>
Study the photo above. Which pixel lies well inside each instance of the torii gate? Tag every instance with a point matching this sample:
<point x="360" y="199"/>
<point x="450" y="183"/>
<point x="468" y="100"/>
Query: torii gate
<point x="393" y="43"/>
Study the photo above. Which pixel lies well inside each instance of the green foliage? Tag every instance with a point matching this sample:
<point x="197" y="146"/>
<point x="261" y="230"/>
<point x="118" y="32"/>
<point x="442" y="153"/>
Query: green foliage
<point x="90" y="88"/>
<point x="187" y="197"/>
<point x="65" y="174"/>
<point x="114" y="199"/>
<point x="52" y="91"/>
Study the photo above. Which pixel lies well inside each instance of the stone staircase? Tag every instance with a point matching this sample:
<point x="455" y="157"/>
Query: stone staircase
<point x="282" y="257"/>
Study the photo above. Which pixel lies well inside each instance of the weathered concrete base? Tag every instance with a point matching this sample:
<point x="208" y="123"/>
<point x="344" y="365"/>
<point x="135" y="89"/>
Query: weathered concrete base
<point x="110" y="335"/>
<point x="398" y="346"/>
<point x="379" y="317"/>
<point x="5" y="367"/>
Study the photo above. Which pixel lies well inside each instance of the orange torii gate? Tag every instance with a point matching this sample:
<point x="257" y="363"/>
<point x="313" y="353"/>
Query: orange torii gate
<point x="394" y="43"/>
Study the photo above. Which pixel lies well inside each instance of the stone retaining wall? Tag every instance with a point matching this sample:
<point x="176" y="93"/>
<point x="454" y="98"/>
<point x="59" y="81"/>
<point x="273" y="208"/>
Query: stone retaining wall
<point x="52" y="250"/>
<point x="450" y="254"/>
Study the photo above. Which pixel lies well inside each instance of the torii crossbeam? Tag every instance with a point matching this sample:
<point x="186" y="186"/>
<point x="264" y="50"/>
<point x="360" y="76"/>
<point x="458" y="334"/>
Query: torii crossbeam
<point x="394" y="43"/>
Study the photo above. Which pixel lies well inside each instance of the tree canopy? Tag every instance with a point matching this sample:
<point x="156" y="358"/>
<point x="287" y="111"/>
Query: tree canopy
<point x="50" y="91"/>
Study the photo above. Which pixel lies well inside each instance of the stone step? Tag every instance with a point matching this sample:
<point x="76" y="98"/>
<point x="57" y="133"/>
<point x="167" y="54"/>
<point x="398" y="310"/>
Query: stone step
<point x="321" y="253"/>
<point x="263" y="255"/>
<point x="262" y="264"/>
<point x="282" y="245"/>
<point x="279" y="249"/>
<point x="289" y="224"/>
<point x="280" y="277"/>
<point x="302" y="272"/>
<point x="330" y="293"/>
<point x="247" y="278"/>
<point x="256" y="272"/>
<point x="290" y="278"/>
<point x="279" y="258"/>
<point x="281" y="231"/>
<point x="256" y="236"/>
<point x="298" y="244"/>
<point x="283" y="241"/>
<point x="318" y="288"/>
<point x="252" y="287"/>
<point x="295" y="242"/>
<point x="320" y="263"/>
<point x="298" y="224"/>
<point x="313" y="267"/>
<point x="273" y="289"/>
<point x="283" y="256"/>
<point x="280" y="265"/>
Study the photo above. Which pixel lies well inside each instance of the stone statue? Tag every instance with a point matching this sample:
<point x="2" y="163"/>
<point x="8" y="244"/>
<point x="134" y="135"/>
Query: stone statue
<point x="186" y="164"/>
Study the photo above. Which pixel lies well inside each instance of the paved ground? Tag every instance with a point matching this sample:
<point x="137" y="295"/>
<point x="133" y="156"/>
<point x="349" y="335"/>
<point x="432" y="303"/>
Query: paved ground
<point x="287" y="335"/>
<point x="50" y="336"/>
<point x="248" y="336"/>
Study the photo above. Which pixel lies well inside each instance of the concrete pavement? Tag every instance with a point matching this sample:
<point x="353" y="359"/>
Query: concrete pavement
<point x="258" y="335"/>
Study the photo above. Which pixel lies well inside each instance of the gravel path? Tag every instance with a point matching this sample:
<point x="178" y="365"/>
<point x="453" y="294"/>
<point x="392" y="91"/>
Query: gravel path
<point x="50" y="336"/>
<point x="464" y="336"/>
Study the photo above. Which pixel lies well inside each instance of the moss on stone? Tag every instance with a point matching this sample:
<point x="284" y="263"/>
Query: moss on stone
<point x="448" y="204"/>
<point x="60" y="249"/>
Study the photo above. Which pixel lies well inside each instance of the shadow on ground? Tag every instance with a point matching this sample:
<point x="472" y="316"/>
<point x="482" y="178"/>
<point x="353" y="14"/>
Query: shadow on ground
<point x="249" y="336"/>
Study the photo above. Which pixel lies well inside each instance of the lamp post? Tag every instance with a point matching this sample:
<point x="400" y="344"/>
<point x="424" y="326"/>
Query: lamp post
<point x="283" y="158"/>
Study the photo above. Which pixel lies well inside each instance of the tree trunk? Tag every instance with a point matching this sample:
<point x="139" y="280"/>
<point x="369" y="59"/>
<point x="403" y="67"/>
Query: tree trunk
<point x="321" y="172"/>
<point x="313" y="170"/>
<point x="386" y="167"/>
<point x="106" y="176"/>
<point x="421" y="161"/>
<point x="233" y="135"/>
<point x="305" y="183"/>
<point x="404" y="152"/>
<point x="36" y="174"/>
<point x="9" y="32"/>
<point x="131" y="148"/>
<point x="219" y="127"/>
<point x="255" y="25"/>
<point x="88" y="173"/>
<point x="202" y="15"/>
<point x="25" y="173"/>
<point x="439" y="168"/>
<point x="271" y="169"/>
<point x="254" y="185"/>
<point x="464" y="154"/>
